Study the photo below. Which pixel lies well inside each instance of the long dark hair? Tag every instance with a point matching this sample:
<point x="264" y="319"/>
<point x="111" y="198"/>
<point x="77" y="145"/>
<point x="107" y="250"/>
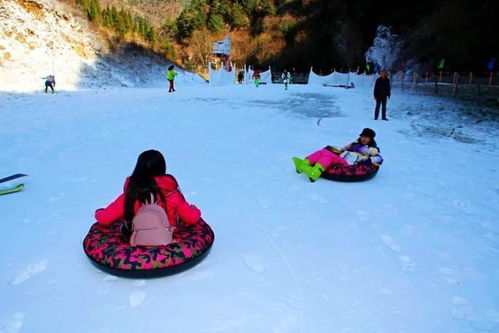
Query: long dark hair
<point x="150" y="164"/>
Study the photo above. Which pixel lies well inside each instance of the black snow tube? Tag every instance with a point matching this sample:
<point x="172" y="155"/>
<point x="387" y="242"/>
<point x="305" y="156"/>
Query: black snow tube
<point x="351" y="173"/>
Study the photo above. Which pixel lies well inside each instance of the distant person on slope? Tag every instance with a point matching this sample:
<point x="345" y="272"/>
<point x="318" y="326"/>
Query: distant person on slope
<point x="49" y="82"/>
<point x="382" y="92"/>
<point x="256" y="77"/>
<point x="240" y="77"/>
<point x="170" y="76"/>
<point x="149" y="176"/>
<point x="362" y="151"/>
<point x="286" y="78"/>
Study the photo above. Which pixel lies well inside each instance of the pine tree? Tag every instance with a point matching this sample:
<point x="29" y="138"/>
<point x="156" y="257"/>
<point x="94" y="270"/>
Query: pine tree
<point x="114" y="17"/>
<point x="85" y="4"/>
<point x="238" y="17"/>
<point x="120" y="23"/>
<point x="94" y="10"/>
<point x="215" y="22"/>
<point x="105" y="17"/>
<point x="151" y="35"/>
<point x="168" y="49"/>
<point x="170" y="28"/>
<point x="191" y="18"/>
<point x="128" y="21"/>
<point x="249" y="6"/>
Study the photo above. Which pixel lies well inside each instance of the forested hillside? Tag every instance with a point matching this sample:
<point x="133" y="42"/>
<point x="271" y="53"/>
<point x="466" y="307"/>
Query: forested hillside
<point x="303" y="33"/>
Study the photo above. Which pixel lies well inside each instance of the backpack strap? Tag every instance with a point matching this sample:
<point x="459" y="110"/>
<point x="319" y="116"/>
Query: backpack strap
<point x="166" y="196"/>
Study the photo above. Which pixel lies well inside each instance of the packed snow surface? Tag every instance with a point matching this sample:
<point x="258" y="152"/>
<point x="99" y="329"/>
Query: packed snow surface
<point x="415" y="249"/>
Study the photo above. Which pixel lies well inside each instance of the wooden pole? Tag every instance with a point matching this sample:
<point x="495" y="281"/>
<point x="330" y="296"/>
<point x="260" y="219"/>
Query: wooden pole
<point x="456" y="80"/>
<point x="426" y="77"/>
<point x="440" y="77"/>
<point x="471" y="78"/>
<point x="436" y="85"/>
<point x="490" y="77"/>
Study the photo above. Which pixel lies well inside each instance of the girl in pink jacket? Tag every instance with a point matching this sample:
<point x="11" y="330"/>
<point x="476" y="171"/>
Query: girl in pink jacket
<point x="149" y="176"/>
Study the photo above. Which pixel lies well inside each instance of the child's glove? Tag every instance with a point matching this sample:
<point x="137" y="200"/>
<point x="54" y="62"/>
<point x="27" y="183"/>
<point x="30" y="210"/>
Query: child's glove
<point x="373" y="151"/>
<point x="366" y="162"/>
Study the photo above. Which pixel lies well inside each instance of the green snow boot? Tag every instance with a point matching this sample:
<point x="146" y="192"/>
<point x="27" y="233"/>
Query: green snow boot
<point x="314" y="172"/>
<point x="301" y="165"/>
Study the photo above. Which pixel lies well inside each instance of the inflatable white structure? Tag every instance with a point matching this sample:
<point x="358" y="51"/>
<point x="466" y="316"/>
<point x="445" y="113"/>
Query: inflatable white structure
<point x="336" y="79"/>
<point x="363" y="80"/>
<point x="221" y="77"/>
<point x="265" y="77"/>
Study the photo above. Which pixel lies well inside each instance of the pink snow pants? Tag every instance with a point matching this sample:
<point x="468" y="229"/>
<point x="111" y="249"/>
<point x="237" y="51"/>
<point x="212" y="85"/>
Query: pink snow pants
<point x="326" y="158"/>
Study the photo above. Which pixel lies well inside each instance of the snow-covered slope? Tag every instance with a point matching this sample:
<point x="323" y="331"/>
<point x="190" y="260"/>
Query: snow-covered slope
<point x="42" y="37"/>
<point x="413" y="250"/>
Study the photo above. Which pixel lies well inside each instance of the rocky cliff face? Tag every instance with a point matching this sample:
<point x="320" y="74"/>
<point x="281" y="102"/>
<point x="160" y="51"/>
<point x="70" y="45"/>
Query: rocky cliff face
<point x="42" y="37"/>
<point x="38" y="38"/>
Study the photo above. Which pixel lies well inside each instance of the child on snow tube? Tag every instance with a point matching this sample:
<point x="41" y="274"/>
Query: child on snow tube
<point x="149" y="176"/>
<point x="363" y="151"/>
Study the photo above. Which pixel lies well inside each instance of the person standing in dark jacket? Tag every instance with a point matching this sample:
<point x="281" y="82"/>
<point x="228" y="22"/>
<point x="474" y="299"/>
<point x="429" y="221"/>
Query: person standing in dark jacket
<point x="49" y="82"/>
<point x="382" y="92"/>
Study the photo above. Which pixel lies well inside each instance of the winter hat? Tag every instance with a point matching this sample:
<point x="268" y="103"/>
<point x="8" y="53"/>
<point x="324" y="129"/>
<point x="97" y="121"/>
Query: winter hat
<point x="171" y="67"/>
<point x="368" y="132"/>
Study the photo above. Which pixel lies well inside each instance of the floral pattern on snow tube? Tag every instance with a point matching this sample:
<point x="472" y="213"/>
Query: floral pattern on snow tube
<point x="111" y="251"/>
<point x="351" y="173"/>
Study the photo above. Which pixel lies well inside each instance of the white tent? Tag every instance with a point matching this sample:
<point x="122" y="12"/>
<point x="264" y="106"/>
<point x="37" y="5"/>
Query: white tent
<point x="362" y="80"/>
<point x="333" y="79"/>
<point x="341" y="79"/>
<point x="316" y="79"/>
<point x="248" y="75"/>
<point x="265" y="77"/>
<point x="221" y="76"/>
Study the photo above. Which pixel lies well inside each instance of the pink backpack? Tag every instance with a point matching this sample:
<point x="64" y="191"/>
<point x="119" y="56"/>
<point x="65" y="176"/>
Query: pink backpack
<point x="150" y="226"/>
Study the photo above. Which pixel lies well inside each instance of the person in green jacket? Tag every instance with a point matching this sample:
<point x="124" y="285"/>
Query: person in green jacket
<point x="170" y="76"/>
